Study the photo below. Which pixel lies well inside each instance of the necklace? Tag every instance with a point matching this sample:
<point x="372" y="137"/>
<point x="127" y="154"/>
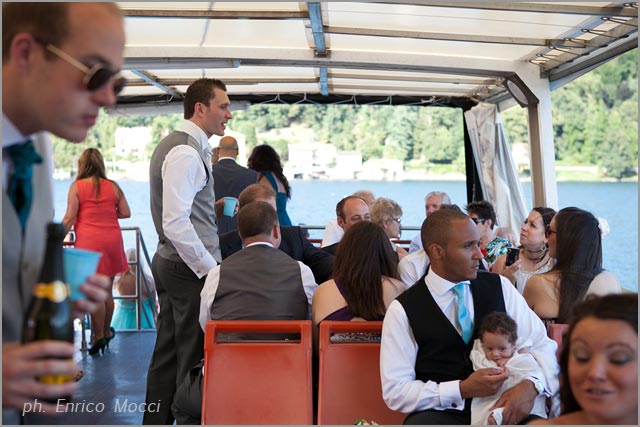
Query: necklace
<point x="536" y="258"/>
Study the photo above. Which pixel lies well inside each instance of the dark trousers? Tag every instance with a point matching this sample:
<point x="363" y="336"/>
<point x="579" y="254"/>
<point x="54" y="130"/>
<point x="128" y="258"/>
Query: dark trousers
<point x="180" y="340"/>
<point x="187" y="402"/>
<point x="432" y="417"/>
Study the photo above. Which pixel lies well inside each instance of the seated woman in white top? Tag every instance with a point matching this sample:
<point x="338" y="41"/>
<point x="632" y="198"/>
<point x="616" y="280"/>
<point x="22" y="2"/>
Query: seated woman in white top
<point x="575" y="242"/>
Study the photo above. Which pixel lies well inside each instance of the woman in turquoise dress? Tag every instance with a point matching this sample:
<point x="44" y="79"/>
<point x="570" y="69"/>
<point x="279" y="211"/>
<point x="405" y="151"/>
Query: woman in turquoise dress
<point x="124" y="316"/>
<point x="266" y="161"/>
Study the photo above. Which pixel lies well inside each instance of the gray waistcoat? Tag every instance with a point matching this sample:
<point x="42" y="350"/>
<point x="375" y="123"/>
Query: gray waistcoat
<point x="258" y="283"/>
<point x="202" y="216"/>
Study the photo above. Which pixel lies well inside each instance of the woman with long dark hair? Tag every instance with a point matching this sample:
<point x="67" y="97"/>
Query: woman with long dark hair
<point x="599" y="363"/>
<point x="575" y="242"/>
<point x="365" y="281"/>
<point x="266" y="161"/>
<point x="534" y="257"/>
<point x="94" y="205"/>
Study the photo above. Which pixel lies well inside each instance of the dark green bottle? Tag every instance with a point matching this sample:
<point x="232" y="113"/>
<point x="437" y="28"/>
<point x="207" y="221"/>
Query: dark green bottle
<point x="50" y="313"/>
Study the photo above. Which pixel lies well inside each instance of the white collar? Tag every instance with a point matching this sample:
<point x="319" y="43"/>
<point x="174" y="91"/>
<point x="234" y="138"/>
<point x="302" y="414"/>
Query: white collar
<point x="259" y="243"/>
<point x="196" y="132"/>
<point x="227" y="158"/>
<point x="437" y="285"/>
<point x="10" y="133"/>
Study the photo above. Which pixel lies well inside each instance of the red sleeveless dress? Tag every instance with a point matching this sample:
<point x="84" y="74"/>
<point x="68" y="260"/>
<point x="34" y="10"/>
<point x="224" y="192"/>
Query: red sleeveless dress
<point x="97" y="227"/>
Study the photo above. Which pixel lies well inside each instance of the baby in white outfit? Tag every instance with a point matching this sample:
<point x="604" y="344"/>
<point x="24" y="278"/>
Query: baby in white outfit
<point x="496" y="347"/>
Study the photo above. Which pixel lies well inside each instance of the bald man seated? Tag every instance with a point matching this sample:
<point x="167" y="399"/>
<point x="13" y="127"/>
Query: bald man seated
<point x="229" y="179"/>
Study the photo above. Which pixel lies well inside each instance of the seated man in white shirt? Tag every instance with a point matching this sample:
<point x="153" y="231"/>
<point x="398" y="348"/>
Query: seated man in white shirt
<point x="333" y="232"/>
<point x="259" y="282"/>
<point x="428" y="333"/>
<point x="432" y="203"/>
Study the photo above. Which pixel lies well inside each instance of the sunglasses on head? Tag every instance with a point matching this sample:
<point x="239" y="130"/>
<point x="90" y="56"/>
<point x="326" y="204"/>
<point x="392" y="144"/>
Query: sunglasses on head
<point x="95" y="77"/>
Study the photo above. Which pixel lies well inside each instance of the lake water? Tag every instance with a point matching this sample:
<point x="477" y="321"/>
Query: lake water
<point x="313" y="203"/>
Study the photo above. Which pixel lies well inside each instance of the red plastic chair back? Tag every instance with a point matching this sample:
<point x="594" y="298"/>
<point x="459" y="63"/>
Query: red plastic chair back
<point x="349" y="385"/>
<point x="556" y="331"/>
<point x="257" y="382"/>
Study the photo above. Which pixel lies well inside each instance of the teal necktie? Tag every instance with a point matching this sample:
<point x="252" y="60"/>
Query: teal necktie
<point x="464" y="320"/>
<point x="20" y="188"/>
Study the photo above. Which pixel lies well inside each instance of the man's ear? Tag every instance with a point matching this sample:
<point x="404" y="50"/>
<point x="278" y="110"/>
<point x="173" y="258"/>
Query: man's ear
<point x="435" y="251"/>
<point x="340" y="222"/>
<point x="489" y="224"/>
<point x="22" y="49"/>
<point x="276" y="230"/>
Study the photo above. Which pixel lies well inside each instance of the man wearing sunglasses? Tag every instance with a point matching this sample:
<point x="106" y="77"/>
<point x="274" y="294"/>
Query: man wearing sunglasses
<point x="58" y="62"/>
<point x="182" y="206"/>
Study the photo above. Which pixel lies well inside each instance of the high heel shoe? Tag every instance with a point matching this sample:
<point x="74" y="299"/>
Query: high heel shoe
<point x="98" y="346"/>
<point x="113" y="334"/>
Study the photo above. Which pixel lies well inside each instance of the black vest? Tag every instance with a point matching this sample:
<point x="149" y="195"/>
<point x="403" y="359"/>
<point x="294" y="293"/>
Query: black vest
<point x="442" y="354"/>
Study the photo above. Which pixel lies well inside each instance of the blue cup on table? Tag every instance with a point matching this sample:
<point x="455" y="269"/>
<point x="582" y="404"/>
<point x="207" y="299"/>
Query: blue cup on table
<point x="229" y="206"/>
<point x="79" y="264"/>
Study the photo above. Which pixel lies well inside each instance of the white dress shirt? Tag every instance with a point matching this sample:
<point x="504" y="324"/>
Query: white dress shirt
<point x="400" y="388"/>
<point x="12" y="136"/>
<point x="183" y="175"/>
<point x="412" y="267"/>
<point x="416" y="244"/>
<point x="208" y="294"/>
<point x="332" y="233"/>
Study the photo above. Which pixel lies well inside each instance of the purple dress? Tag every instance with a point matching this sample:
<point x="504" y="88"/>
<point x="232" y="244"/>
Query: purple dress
<point x="344" y="313"/>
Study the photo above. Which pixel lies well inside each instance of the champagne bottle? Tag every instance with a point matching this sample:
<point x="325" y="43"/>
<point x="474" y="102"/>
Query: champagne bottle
<point x="50" y="314"/>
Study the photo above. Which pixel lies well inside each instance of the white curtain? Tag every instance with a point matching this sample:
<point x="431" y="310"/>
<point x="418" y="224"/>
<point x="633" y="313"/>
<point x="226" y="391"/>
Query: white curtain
<point x="496" y="169"/>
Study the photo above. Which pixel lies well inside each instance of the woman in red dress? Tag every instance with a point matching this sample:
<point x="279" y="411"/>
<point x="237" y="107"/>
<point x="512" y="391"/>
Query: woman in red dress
<point x="94" y="205"/>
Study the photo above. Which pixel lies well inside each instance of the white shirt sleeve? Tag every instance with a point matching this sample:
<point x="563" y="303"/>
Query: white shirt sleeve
<point x="531" y="328"/>
<point x="604" y="283"/>
<point x="308" y="283"/>
<point x="183" y="175"/>
<point x="400" y="389"/>
<point x="416" y="244"/>
<point x="208" y="294"/>
<point x="332" y="233"/>
<point x="412" y="267"/>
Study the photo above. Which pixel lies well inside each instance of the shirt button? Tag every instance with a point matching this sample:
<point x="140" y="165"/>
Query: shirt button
<point x="454" y="405"/>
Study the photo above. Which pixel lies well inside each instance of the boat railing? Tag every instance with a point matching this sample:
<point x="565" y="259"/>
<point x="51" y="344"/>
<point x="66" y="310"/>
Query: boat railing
<point x="141" y="279"/>
<point x="402" y="242"/>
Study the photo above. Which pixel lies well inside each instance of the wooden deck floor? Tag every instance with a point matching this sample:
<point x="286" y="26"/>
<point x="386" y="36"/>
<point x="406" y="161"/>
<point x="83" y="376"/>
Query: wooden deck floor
<point x="114" y="385"/>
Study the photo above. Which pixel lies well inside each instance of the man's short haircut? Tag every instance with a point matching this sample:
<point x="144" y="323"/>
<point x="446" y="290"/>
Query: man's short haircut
<point x="200" y="91"/>
<point x="499" y="323"/>
<point x="253" y="192"/>
<point x="443" y="196"/>
<point x="256" y="218"/>
<point x="435" y="229"/>
<point x="384" y="209"/>
<point x="340" y="205"/>
<point x="483" y="209"/>
<point x="48" y="22"/>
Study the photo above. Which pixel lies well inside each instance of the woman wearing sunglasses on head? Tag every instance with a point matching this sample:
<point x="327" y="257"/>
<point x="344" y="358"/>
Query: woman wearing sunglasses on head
<point x="575" y="242"/>
<point x="533" y="256"/>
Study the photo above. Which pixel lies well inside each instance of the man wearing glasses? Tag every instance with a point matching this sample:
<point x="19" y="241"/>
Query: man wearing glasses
<point x="59" y="66"/>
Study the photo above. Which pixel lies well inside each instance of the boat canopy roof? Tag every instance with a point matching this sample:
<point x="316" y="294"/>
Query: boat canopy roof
<point x="397" y="53"/>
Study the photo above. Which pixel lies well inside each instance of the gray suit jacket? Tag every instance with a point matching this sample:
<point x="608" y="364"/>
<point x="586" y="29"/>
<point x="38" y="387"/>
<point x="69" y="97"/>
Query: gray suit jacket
<point x="229" y="179"/>
<point x="22" y="255"/>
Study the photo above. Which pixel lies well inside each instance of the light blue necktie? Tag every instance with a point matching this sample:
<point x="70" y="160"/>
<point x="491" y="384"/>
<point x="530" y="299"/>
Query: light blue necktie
<point x="464" y="320"/>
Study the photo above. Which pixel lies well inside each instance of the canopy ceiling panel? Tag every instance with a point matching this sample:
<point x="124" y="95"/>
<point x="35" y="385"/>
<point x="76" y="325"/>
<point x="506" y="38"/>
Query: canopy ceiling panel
<point x="395" y="52"/>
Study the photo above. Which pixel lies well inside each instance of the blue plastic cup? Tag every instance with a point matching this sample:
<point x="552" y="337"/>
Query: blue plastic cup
<point x="229" y="205"/>
<point x="79" y="264"/>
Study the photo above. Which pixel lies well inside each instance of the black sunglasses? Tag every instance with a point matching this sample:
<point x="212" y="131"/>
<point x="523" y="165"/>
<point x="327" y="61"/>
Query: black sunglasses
<point x="478" y="220"/>
<point x="96" y="76"/>
<point x="549" y="232"/>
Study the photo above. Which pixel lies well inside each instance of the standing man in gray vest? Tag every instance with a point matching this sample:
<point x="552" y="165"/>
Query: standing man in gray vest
<point x="47" y="51"/>
<point x="182" y="208"/>
<point x="230" y="179"/>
